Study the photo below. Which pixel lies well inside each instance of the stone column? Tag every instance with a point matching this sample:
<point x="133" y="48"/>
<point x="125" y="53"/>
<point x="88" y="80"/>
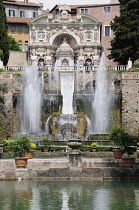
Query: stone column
<point x="75" y="163"/>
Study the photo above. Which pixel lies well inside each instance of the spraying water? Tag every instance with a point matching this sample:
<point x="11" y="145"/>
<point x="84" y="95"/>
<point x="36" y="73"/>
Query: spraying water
<point x="32" y="96"/>
<point x="67" y="89"/>
<point x="100" y="104"/>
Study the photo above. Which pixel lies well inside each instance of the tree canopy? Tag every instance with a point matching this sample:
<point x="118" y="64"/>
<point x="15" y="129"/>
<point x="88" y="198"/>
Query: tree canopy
<point x="13" y="45"/>
<point x="125" y="44"/>
<point x="4" y="43"/>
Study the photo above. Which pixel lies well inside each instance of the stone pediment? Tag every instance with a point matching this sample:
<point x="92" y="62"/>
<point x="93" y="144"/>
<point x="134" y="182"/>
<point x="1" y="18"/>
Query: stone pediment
<point x="42" y="18"/>
<point x="84" y="18"/>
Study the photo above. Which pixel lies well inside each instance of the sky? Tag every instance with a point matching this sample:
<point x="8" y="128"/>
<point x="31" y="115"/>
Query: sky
<point x="51" y="3"/>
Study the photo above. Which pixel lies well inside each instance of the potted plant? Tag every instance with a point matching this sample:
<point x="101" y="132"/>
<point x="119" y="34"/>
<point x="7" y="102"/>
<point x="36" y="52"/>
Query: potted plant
<point x="94" y="147"/>
<point x="45" y="144"/>
<point x="30" y="154"/>
<point x="125" y="142"/>
<point x="20" y="146"/>
<point x="115" y="140"/>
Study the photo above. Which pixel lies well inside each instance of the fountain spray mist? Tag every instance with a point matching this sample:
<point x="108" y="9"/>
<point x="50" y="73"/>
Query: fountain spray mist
<point x="32" y="97"/>
<point x="101" y="102"/>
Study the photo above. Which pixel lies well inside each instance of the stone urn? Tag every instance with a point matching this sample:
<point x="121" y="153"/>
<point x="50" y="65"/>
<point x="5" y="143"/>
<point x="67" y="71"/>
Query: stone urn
<point x="74" y="144"/>
<point x="21" y="162"/>
<point x="128" y="161"/>
<point x="117" y="153"/>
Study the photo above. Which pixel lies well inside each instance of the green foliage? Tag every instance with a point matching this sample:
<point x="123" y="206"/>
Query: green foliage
<point x="126" y="142"/>
<point x="85" y="148"/>
<point x="13" y="45"/>
<point x="125" y="27"/>
<point x="1" y="54"/>
<point x="136" y="64"/>
<point x="57" y="149"/>
<point x="46" y="141"/>
<point x="94" y="145"/>
<point x="4" y="42"/>
<point x="104" y="149"/>
<point x="19" y="146"/>
<point x="1" y="70"/>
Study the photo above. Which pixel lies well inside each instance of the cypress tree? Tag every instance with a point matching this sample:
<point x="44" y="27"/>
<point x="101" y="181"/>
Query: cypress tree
<point x="125" y="44"/>
<point x="4" y="43"/>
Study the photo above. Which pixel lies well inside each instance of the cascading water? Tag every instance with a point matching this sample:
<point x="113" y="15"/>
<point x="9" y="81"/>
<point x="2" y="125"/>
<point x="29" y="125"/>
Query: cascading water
<point x="100" y="105"/>
<point x="67" y="89"/>
<point x="32" y="97"/>
<point x="56" y="77"/>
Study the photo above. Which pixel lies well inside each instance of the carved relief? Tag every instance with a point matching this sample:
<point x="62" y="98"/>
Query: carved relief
<point x="40" y="34"/>
<point x="88" y="34"/>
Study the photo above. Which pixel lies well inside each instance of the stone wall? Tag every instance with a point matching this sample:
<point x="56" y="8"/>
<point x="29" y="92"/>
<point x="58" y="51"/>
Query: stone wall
<point x="17" y="57"/>
<point x="130" y="101"/>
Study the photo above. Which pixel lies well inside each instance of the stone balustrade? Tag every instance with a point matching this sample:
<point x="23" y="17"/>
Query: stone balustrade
<point x="69" y="68"/>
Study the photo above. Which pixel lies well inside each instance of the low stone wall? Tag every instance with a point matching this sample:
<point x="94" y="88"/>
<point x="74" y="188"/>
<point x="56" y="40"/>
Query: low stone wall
<point x="58" y="168"/>
<point x="61" y="154"/>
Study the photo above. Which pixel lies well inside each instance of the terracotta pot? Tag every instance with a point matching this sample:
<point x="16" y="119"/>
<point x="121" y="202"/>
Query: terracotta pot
<point x="117" y="153"/>
<point x="94" y="149"/>
<point x="128" y="161"/>
<point x="45" y="149"/>
<point x="29" y="155"/>
<point x="21" y="162"/>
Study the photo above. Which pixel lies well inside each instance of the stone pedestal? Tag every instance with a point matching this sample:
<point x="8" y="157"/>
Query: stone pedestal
<point x="75" y="163"/>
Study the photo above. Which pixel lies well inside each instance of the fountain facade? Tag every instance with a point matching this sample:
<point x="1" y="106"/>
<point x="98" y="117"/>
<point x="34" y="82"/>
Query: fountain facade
<point x="74" y="86"/>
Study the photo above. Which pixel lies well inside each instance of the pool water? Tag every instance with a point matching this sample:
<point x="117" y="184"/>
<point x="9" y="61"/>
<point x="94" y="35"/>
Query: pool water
<point x="69" y="195"/>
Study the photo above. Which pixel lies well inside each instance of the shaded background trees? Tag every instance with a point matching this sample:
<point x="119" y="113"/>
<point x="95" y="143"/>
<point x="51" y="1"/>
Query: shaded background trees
<point x="125" y="44"/>
<point x="4" y="43"/>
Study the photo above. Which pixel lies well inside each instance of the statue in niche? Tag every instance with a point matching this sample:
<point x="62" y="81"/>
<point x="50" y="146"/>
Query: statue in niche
<point x="33" y="55"/>
<point x="33" y="35"/>
<point x="47" y="35"/>
<point x="96" y="35"/>
<point x="65" y="40"/>
<point x="96" y="55"/>
<point x="81" y="34"/>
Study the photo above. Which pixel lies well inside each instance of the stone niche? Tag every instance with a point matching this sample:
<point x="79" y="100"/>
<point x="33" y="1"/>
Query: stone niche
<point x="68" y="125"/>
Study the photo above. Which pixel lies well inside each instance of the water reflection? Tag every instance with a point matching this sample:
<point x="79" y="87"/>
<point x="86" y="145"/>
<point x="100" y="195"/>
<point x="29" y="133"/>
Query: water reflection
<point x="69" y="195"/>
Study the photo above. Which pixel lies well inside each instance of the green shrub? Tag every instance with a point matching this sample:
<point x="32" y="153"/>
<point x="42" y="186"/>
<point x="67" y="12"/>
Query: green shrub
<point x="104" y="149"/>
<point x="19" y="146"/>
<point x="126" y="142"/>
<point x="1" y="70"/>
<point x="85" y="148"/>
<point x="57" y="149"/>
<point x="136" y="64"/>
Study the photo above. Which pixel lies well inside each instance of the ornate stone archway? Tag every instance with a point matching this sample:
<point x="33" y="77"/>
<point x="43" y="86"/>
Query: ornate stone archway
<point x="82" y="34"/>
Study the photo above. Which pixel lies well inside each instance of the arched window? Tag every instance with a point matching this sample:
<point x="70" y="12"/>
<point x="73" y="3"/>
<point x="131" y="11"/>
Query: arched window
<point x="26" y="46"/>
<point x="20" y="44"/>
